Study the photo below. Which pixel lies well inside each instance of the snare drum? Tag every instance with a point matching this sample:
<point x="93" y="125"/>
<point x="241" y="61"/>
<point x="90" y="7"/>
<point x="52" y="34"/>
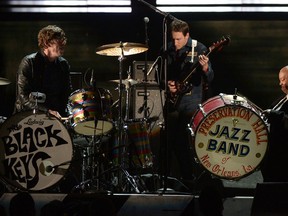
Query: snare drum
<point x="35" y="151"/>
<point x="91" y="110"/>
<point x="229" y="136"/>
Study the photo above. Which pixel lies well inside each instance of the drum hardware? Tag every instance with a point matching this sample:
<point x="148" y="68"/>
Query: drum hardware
<point x="90" y="166"/>
<point x="100" y="178"/>
<point x="202" y="110"/>
<point x="37" y="97"/>
<point x="121" y="50"/>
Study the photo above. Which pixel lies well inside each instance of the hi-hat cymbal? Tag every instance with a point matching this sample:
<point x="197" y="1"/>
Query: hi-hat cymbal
<point x="147" y="84"/>
<point x="4" y="81"/>
<point x="126" y="82"/>
<point x="116" y="49"/>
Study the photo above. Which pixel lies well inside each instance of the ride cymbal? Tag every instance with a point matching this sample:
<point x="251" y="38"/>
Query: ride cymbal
<point x="4" y="81"/>
<point x="119" y="49"/>
<point x="126" y="81"/>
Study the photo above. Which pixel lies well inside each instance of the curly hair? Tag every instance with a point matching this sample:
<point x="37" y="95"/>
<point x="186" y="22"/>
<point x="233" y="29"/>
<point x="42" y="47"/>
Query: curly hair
<point x="51" y="34"/>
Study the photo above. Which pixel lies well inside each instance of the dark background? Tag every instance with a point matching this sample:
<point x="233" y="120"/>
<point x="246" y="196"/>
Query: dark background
<point x="250" y="63"/>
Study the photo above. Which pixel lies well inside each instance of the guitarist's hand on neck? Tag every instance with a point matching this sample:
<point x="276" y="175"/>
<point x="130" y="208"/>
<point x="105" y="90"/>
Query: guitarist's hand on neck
<point x="203" y="61"/>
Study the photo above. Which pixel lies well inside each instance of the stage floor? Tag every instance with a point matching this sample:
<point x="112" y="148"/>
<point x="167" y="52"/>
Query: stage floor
<point x="138" y="204"/>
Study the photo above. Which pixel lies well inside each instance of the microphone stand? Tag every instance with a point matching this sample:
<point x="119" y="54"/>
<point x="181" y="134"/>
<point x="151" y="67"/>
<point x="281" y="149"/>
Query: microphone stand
<point x="165" y="111"/>
<point x="145" y="72"/>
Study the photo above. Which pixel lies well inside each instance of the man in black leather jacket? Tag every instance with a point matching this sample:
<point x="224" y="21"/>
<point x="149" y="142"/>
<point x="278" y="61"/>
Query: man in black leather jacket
<point x="44" y="76"/>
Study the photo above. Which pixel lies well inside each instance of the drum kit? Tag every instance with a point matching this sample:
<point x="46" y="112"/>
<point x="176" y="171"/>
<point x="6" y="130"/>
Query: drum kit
<point x="38" y="149"/>
<point x="228" y="134"/>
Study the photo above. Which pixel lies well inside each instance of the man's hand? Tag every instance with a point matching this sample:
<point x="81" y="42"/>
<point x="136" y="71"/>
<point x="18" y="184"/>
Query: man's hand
<point x="55" y="113"/>
<point x="203" y="60"/>
<point x="172" y="86"/>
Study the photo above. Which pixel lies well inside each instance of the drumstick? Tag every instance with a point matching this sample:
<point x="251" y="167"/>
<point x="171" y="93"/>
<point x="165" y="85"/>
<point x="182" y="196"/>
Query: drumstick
<point x="65" y="118"/>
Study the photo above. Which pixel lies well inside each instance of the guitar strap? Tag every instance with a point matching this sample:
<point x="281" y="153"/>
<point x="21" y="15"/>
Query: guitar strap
<point x="194" y="44"/>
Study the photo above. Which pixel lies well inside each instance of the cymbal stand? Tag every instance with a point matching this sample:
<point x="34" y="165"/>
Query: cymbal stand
<point x="91" y="158"/>
<point x="166" y="18"/>
<point x="120" y="118"/>
<point x="145" y="72"/>
<point x="128" y="95"/>
<point x="121" y="126"/>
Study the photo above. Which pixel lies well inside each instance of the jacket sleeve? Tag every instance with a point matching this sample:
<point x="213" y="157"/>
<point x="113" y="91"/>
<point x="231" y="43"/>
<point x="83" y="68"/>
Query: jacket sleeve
<point x="24" y="87"/>
<point x="278" y="118"/>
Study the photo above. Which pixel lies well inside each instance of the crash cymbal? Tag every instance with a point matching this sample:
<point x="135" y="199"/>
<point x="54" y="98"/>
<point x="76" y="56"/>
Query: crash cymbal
<point x="116" y="49"/>
<point x="4" y="81"/>
<point x="126" y="81"/>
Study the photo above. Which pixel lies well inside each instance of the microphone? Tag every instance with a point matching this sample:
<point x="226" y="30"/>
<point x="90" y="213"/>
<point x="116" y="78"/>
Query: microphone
<point x="146" y="19"/>
<point x="153" y="66"/>
<point x="92" y="78"/>
<point x="40" y="97"/>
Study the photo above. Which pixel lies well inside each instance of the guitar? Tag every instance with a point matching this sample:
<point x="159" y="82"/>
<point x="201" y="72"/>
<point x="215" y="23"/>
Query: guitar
<point x="184" y="84"/>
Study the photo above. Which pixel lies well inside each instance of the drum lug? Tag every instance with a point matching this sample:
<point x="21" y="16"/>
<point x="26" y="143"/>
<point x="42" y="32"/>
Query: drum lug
<point x="191" y="130"/>
<point x="202" y="110"/>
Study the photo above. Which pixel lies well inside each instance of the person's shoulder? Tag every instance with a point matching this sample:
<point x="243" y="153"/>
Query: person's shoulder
<point x="64" y="63"/>
<point x="62" y="59"/>
<point x="30" y="56"/>
<point x="199" y="43"/>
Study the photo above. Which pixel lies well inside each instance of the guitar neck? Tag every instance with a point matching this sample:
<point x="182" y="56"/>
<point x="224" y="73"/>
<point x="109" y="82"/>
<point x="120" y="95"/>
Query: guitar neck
<point x="192" y="70"/>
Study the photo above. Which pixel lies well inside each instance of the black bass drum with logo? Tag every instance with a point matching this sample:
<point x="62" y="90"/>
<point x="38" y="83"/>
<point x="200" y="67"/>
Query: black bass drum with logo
<point x="34" y="151"/>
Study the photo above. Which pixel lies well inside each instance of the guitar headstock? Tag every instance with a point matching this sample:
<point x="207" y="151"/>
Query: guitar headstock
<point x="225" y="40"/>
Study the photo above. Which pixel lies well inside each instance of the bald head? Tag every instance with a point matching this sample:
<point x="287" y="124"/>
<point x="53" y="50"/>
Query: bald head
<point x="283" y="79"/>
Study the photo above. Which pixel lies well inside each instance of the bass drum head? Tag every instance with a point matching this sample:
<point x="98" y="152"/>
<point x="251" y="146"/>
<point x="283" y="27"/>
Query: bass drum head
<point x="231" y="140"/>
<point x="31" y="145"/>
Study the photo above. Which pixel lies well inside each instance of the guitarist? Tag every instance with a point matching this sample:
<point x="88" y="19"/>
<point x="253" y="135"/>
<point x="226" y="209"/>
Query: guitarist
<point x="182" y="54"/>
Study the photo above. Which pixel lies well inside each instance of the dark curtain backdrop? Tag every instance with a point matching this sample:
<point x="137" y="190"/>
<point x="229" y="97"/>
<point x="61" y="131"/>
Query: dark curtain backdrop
<point x="250" y="63"/>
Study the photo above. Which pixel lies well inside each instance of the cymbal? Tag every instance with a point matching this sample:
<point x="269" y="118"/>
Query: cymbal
<point x="4" y="81"/>
<point x="126" y="81"/>
<point x="115" y="49"/>
<point x="148" y="84"/>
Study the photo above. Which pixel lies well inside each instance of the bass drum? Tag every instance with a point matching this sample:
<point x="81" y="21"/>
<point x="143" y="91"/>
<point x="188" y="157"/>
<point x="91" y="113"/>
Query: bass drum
<point x="35" y="151"/>
<point x="229" y="136"/>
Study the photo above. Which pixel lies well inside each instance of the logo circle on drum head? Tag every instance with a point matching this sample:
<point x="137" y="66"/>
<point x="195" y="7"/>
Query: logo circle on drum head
<point x="30" y="146"/>
<point x="231" y="140"/>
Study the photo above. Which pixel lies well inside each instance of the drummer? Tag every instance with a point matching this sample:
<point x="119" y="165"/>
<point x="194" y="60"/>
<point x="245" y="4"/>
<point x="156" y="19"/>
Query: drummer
<point x="274" y="166"/>
<point x="43" y="76"/>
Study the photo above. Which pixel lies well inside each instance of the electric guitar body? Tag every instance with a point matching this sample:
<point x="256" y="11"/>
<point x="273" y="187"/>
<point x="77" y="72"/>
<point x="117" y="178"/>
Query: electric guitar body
<point x="184" y="84"/>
